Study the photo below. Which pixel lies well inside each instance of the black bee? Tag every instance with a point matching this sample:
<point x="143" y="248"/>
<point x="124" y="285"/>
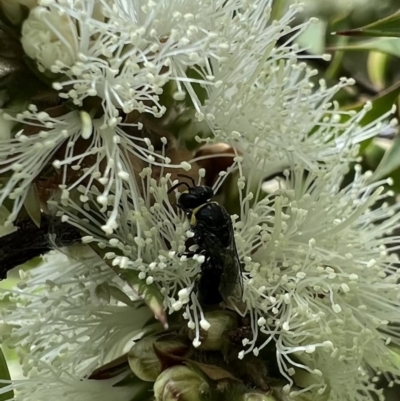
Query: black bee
<point x="221" y="272"/>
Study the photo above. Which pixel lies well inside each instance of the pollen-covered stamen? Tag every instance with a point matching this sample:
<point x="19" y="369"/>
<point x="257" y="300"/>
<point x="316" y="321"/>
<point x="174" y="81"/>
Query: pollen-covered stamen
<point x="25" y="156"/>
<point x="148" y="239"/>
<point x="81" y="152"/>
<point x="123" y="55"/>
<point x="73" y="298"/>
<point x="266" y="114"/>
<point x="66" y="384"/>
<point x="314" y="251"/>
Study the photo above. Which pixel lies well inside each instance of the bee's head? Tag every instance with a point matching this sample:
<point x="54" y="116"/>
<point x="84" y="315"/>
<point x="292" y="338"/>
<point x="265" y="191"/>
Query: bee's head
<point x="195" y="197"/>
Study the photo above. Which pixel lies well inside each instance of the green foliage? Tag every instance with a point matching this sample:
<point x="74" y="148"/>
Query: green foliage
<point x="388" y="27"/>
<point x="390" y="46"/>
<point x="4" y="375"/>
<point x="390" y="161"/>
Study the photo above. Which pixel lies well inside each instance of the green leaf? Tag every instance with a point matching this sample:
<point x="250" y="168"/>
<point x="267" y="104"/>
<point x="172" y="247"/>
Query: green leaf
<point x="376" y="66"/>
<point x="389" y="46"/>
<point x="199" y="90"/>
<point x="278" y="9"/>
<point x="390" y="161"/>
<point x="4" y="375"/>
<point x="387" y="27"/>
<point x="313" y="38"/>
<point x="374" y="153"/>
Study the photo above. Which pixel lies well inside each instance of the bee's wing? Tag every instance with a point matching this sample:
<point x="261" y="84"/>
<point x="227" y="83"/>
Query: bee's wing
<point x="231" y="280"/>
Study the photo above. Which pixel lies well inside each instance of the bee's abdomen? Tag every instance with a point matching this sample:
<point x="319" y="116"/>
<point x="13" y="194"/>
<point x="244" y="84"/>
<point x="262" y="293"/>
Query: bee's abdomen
<point x="208" y="286"/>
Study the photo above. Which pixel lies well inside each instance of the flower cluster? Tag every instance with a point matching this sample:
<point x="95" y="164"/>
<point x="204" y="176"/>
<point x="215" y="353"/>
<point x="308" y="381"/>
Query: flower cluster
<point x="318" y="248"/>
<point x="145" y="92"/>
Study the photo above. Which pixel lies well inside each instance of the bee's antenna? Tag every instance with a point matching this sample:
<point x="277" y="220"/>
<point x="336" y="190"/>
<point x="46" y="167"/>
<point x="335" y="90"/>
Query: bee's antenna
<point x="178" y="185"/>
<point x="189" y="178"/>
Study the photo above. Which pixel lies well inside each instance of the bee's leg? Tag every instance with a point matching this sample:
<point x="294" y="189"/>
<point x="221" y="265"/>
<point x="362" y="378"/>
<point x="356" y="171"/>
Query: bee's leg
<point x="191" y="254"/>
<point x="187" y="254"/>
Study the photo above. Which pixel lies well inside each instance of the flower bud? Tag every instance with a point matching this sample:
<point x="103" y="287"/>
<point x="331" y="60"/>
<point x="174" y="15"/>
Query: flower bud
<point x="48" y="36"/>
<point x="258" y="397"/>
<point x="180" y="383"/>
<point x="15" y="10"/>
<point x="143" y="360"/>
<point x="219" y="323"/>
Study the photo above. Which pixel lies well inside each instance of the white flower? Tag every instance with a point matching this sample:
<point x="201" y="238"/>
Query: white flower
<point x="281" y="114"/>
<point x="266" y="105"/>
<point x="321" y="268"/>
<point x="251" y="49"/>
<point x="149" y="240"/>
<point x="124" y="52"/>
<point x="347" y="379"/>
<point x="72" y="313"/>
<point x="318" y="269"/>
<point x="76" y="149"/>
<point x="320" y="273"/>
<point x="70" y="386"/>
<point x="313" y="253"/>
<point x="14" y="9"/>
